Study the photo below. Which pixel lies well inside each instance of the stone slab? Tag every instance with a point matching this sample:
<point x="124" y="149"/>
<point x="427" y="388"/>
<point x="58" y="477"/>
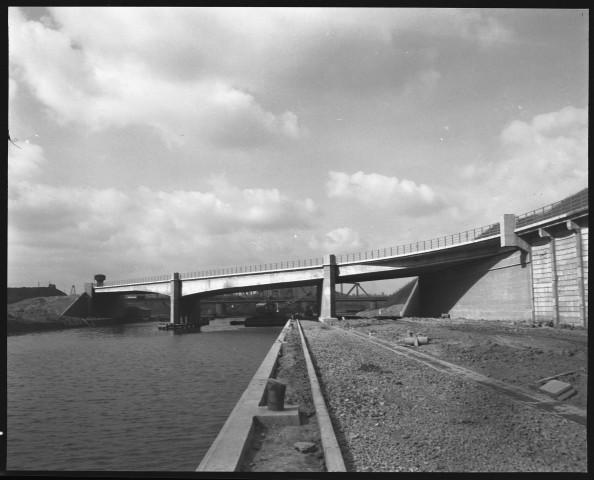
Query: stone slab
<point x="555" y="387"/>
<point x="568" y="393"/>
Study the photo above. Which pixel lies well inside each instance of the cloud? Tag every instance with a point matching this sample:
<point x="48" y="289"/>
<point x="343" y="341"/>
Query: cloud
<point x="379" y="191"/>
<point x="145" y="230"/>
<point x="200" y="72"/>
<point x="544" y="160"/>
<point x="240" y="122"/>
<point x="24" y="161"/>
<point x="342" y="239"/>
<point x="336" y="241"/>
<point x="85" y="83"/>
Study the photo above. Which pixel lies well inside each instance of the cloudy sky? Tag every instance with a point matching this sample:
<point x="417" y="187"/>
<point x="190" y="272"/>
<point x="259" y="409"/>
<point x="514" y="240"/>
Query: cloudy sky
<point x="158" y="140"/>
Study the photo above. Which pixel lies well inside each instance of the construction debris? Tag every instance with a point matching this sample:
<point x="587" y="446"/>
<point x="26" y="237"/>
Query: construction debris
<point x="415" y="339"/>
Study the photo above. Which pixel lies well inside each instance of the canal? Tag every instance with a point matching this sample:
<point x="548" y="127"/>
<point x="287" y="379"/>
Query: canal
<point x="127" y="397"/>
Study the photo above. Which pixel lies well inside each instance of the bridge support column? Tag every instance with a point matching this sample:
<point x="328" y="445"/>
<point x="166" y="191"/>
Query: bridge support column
<point x="328" y="302"/>
<point x="554" y="280"/>
<point x="175" y="299"/>
<point x="507" y="225"/>
<point x="580" y="270"/>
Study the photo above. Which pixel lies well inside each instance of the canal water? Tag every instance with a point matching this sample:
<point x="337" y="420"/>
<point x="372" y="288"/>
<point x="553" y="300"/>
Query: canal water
<point x="127" y="397"/>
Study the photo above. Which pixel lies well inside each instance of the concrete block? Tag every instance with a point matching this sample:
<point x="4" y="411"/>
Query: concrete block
<point x="565" y="395"/>
<point x="555" y="387"/>
<point x="288" y="416"/>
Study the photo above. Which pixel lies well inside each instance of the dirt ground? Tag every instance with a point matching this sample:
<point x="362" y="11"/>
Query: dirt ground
<point x="518" y="354"/>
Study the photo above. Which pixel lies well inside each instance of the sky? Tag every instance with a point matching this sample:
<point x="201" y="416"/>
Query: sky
<point x="147" y="141"/>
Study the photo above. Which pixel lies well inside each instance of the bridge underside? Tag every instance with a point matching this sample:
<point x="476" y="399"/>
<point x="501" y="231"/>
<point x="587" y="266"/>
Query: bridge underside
<point x="456" y="280"/>
<point x="482" y="281"/>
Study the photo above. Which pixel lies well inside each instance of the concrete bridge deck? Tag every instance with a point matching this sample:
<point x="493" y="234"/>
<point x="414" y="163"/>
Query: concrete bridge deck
<point x="498" y="256"/>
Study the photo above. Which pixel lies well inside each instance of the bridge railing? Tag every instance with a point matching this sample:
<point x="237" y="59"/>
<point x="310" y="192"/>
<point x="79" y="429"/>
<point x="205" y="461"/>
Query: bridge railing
<point x="480" y="233"/>
<point x="312" y="262"/>
<point x="572" y="204"/>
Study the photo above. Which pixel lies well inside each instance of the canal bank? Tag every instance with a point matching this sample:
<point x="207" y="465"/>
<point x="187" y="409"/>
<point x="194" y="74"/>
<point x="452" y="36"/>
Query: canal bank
<point x="393" y="413"/>
<point x="272" y="431"/>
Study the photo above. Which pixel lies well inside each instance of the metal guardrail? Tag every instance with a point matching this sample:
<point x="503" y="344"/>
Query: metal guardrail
<point x="481" y="233"/>
<point x="573" y="204"/>
<point x="312" y="262"/>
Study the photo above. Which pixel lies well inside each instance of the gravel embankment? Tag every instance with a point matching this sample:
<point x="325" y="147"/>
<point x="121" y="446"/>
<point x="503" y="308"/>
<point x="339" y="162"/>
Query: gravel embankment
<point x="393" y="414"/>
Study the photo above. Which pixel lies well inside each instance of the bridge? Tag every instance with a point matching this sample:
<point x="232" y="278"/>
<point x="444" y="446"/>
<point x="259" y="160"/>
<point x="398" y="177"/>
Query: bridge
<point x="528" y="267"/>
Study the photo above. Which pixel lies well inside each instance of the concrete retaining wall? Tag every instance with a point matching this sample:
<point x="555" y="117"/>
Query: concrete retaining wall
<point x="79" y="308"/>
<point x="494" y="289"/>
<point x="412" y="306"/>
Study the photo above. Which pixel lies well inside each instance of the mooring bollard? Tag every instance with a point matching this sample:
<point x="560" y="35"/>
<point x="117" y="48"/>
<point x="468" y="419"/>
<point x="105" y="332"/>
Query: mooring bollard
<point x="275" y="394"/>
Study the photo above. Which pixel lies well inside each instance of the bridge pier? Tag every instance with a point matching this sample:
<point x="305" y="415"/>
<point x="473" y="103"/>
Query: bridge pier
<point x="175" y="316"/>
<point x="507" y="226"/>
<point x="328" y="294"/>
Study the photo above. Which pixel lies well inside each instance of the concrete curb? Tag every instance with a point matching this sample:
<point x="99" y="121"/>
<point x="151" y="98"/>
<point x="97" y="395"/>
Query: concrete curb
<point x="332" y="453"/>
<point x="226" y="454"/>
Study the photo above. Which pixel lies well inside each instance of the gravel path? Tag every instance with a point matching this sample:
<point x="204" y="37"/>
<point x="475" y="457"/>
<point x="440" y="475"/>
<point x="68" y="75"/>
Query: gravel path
<point x="391" y="413"/>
